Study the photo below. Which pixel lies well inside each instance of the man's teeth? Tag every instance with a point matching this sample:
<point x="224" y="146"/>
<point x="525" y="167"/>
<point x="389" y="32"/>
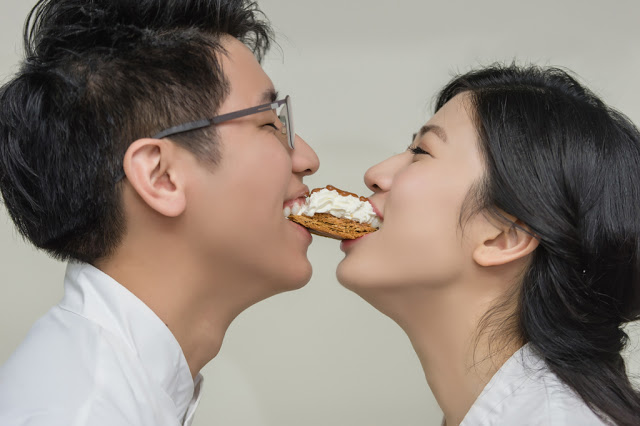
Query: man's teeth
<point x="294" y="209"/>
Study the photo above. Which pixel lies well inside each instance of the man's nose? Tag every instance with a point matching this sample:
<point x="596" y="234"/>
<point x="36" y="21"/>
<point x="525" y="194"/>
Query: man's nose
<point x="304" y="159"/>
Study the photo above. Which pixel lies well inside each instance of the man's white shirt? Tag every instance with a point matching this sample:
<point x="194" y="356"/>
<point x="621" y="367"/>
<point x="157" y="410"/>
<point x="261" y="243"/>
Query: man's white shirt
<point x="101" y="357"/>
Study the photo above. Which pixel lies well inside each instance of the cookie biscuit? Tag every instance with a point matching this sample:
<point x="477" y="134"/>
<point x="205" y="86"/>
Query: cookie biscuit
<point x="326" y="225"/>
<point x="333" y="213"/>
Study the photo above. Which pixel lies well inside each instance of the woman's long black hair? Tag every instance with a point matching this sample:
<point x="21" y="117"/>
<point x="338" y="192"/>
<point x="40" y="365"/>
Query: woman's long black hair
<point x="568" y="166"/>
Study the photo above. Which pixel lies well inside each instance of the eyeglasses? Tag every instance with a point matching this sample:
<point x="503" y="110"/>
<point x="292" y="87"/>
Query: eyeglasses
<point x="282" y="108"/>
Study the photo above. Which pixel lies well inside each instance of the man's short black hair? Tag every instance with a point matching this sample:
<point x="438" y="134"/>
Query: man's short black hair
<point x="99" y="74"/>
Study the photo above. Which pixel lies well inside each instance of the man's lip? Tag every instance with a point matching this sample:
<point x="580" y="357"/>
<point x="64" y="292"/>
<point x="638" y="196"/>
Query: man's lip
<point x="304" y="231"/>
<point x="300" y="195"/>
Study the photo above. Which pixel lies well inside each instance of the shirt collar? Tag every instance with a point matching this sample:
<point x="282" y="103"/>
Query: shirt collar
<point x="508" y="379"/>
<point x="96" y="296"/>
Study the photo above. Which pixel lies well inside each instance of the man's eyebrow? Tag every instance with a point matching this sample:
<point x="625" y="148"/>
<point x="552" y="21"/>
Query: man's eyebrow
<point x="269" y="95"/>
<point x="439" y="131"/>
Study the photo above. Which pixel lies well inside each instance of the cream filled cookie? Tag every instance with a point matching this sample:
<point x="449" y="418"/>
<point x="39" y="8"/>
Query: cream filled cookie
<point x="333" y="213"/>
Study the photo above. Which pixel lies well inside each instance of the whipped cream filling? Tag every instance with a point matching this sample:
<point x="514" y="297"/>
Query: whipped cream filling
<point x="327" y="201"/>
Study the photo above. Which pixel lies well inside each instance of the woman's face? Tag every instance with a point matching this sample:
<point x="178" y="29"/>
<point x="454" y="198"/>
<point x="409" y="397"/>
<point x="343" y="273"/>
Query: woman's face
<point x="420" y="193"/>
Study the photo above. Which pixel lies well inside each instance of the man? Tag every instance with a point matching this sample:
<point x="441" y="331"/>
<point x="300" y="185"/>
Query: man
<point x="131" y="145"/>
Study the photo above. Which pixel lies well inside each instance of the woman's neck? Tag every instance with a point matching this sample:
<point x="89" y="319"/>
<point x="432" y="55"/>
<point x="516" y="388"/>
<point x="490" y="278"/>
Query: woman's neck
<point x="442" y="325"/>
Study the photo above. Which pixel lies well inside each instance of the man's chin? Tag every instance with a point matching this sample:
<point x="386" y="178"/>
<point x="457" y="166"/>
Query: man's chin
<point x="301" y="278"/>
<point x="296" y="276"/>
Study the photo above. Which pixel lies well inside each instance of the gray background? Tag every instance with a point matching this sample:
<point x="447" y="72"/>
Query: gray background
<point x="362" y="75"/>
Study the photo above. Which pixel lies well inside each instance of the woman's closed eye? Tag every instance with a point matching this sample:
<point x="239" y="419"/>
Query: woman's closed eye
<point x="271" y="125"/>
<point x="418" y="151"/>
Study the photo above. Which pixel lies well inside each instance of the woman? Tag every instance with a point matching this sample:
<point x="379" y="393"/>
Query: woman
<point x="510" y="250"/>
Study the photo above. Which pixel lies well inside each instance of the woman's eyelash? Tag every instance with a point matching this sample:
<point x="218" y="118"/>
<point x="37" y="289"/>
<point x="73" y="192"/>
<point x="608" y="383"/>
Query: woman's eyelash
<point x="271" y="125"/>
<point x="417" y="150"/>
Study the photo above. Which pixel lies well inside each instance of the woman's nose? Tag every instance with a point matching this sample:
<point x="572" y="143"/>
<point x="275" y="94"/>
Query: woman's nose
<point x="380" y="177"/>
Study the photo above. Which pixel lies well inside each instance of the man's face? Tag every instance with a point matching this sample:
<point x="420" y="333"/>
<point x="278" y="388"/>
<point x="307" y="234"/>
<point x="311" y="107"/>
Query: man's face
<point x="235" y="208"/>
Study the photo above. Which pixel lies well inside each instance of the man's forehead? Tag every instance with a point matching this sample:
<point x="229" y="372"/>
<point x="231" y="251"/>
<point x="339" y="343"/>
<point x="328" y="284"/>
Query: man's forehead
<point x="245" y="75"/>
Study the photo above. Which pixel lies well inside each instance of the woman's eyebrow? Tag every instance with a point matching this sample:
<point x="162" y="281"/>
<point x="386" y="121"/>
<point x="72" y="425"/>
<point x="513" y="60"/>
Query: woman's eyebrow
<point x="437" y="130"/>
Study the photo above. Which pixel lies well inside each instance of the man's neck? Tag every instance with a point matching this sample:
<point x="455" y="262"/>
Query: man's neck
<point x="196" y="305"/>
<point x="442" y="325"/>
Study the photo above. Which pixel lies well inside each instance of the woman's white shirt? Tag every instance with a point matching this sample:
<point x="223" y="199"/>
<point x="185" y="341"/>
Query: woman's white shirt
<point x="525" y="392"/>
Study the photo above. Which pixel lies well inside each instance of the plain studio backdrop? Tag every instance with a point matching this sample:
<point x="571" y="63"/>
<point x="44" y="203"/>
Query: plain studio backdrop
<point x="362" y="75"/>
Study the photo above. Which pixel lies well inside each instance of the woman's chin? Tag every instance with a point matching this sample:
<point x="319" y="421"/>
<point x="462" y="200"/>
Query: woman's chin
<point x="355" y="275"/>
<point x="345" y="273"/>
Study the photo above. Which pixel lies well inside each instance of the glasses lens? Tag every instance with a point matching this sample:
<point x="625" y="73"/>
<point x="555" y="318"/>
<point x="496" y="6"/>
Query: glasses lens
<point x="285" y="117"/>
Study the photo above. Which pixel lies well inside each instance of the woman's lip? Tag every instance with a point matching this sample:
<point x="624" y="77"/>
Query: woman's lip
<point x="347" y="244"/>
<point x="377" y="211"/>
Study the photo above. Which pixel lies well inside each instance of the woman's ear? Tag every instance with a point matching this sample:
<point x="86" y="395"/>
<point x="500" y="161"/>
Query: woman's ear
<point x="504" y="242"/>
<point x="151" y="168"/>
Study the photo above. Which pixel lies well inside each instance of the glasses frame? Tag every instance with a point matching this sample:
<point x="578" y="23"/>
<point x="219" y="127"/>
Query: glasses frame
<point x="287" y="128"/>
<point x="287" y="121"/>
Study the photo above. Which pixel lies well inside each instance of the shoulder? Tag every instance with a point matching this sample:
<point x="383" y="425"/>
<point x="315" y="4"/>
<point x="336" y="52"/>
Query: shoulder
<point x="59" y="374"/>
<point x="526" y="392"/>
<point x="544" y="400"/>
<point x="61" y="344"/>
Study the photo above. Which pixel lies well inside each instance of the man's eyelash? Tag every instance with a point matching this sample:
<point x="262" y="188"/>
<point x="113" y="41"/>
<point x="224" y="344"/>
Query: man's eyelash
<point x="417" y="150"/>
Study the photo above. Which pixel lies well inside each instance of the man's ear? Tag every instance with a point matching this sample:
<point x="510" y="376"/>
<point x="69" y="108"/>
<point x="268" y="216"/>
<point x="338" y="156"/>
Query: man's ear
<point x="151" y="168"/>
<point x="504" y="243"/>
